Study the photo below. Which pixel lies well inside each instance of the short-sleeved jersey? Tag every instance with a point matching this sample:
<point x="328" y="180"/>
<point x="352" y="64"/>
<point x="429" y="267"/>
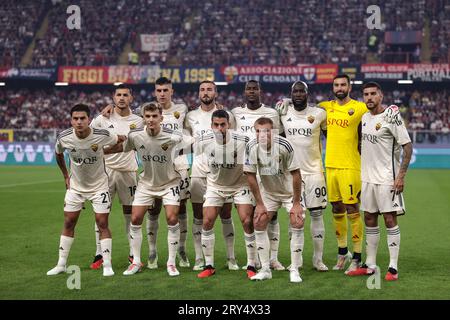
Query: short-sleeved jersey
<point x="198" y="123"/>
<point x="157" y="154"/>
<point x="302" y="129"/>
<point x="87" y="163"/>
<point x="225" y="161"/>
<point x="123" y="161"/>
<point x="245" y="119"/>
<point x="274" y="166"/>
<point x="381" y="148"/>
<point x="342" y="134"/>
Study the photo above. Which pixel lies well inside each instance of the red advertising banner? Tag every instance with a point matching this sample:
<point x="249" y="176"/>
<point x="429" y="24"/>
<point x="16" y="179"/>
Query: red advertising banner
<point x="280" y="74"/>
<point x="83" y="75"/>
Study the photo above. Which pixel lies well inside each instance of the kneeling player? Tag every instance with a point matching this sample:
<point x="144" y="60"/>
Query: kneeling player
<point x="382" y="178"/>
<point x="273" y="157"/>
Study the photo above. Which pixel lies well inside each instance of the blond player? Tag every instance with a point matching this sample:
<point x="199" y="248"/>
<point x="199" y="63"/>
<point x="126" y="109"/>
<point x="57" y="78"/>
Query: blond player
<point x="382" y="177"/>
<point x="198" y="123"/>
<point x="87" y="181"/>
<point x="121" y="167"/>
<point x="157" y="148"/>
<point x="273" y="158"/>
<point x="245" y="117"/>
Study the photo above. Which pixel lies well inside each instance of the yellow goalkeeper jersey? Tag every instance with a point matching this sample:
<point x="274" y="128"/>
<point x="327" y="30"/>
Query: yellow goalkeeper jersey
<point x="342" y="134"/>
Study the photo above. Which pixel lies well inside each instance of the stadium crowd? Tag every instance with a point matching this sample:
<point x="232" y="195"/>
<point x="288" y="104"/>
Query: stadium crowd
<point x="215" y="33"/>
<point x="46" y="110"/>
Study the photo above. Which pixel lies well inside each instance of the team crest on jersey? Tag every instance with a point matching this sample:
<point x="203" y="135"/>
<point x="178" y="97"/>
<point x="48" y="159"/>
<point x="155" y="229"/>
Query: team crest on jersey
<point x="132" y="126"/>
<point x="378" y="126"/>
<point x="351" y="112"/>
<point x="165" y="146"/>
<point x="311" y="119"/>
<point x="94" y="147"/>
<point x="176" y="114"/>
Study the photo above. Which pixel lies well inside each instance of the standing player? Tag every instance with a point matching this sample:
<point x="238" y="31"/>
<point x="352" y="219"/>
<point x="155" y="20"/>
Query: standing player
<point x="173" y="119"/>
<point x="382" y="178"/>
<point x="273" y="158"/>
<point x="121" y="167"/>
<point x="157" y="148"/>
<point x="87" y="181"/>
<point x="225" y="152"/>
<point x="198" y="123"/>
<point x="302" y="126"/>
<point x="245" y="117"/>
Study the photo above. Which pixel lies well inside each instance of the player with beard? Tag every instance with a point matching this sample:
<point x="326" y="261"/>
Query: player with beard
<point x="303" y="124"/>
<point x="198" y="123"/>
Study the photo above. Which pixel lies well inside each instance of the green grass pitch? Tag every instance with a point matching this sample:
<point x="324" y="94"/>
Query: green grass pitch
<point x="31" y="216"/>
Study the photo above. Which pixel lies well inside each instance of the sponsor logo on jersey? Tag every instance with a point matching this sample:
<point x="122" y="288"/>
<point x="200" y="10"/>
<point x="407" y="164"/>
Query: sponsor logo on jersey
<point x="343" y="123"/>
<point x="165" y="146"/>
<point x="300" y="131"/>
<point x="378" y="126"/>
<point x="176" y="114"/>
<point x="369" y="137"/>
<point x="351" y="112"/>
<point x="94" y="147"/>
<point x="311" y="119"/>
<point x="132" y="126"/>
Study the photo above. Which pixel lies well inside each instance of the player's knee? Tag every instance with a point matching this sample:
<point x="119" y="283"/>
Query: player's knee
<point x="247" y="224"/>
<point x="208" y="223"/>
<point x="337" y="207"/>
<point x="371" y="219"/>
<point x="260" y="225"/>
<point x="352" y="208"/>
<point x="136" y="220"/>
<point x="390" y="220"/>
<point x="297" y="224"/>
<point x="69" y="224"/>
<point x="172" y="220"/>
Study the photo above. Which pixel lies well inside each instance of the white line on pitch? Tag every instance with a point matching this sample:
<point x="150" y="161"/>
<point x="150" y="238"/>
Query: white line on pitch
<point x="28" y="183"/>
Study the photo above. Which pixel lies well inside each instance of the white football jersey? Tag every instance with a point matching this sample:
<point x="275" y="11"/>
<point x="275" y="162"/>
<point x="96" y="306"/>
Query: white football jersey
<point x="381" y="146"/>
<point x="225" y="161"/>
<point x="198" y="123"/>
<point x="274" y="166"/>
<point x="302" y="129"/>
<point x="123" y="161"/>
<point x="173" y="118"/>
<point x="157" y="154"/>
<point x="245" y="119"/>
<point x="87" y="161"/>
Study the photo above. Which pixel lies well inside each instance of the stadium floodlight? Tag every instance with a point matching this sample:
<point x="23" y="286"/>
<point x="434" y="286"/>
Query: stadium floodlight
<point x="405" y="82"/>
<point x="2" y="84"/>
<point x="61" y="84"/>
<point x="118" y="83"/>
<point x="221" y="83"/>
<point x="356" y="82"/>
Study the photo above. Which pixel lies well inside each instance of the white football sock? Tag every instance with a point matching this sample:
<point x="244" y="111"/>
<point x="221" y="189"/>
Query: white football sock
<point x="228" y="235"/>
<point x="263" y="248"/>
<point x="98" y="250"/>
<point x="152" y="232"/>
<point x="106" y="245"/>
<point x="65" y="243"/>
<point x="136" y="242"/>
<point x="208" y="242"/>
<point x="273" y="231"/>
<point x="127" y="230"/>
<point x="197" y="235"/>
<point x="297" y="242"/>
<point x="182" y="219"/>
<point x="393" y="240"/>
<point x="372" y="240"/>
<point x="317" y="233"/>
<point x="173" y="242"/>
<point x="250" y="247"/>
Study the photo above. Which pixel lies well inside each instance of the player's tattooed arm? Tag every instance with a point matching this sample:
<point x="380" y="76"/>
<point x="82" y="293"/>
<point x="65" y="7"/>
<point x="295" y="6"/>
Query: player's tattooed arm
<point x="62" y="166"/>
<point x="399" y="182"/>
<point x="297" y="210"/>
